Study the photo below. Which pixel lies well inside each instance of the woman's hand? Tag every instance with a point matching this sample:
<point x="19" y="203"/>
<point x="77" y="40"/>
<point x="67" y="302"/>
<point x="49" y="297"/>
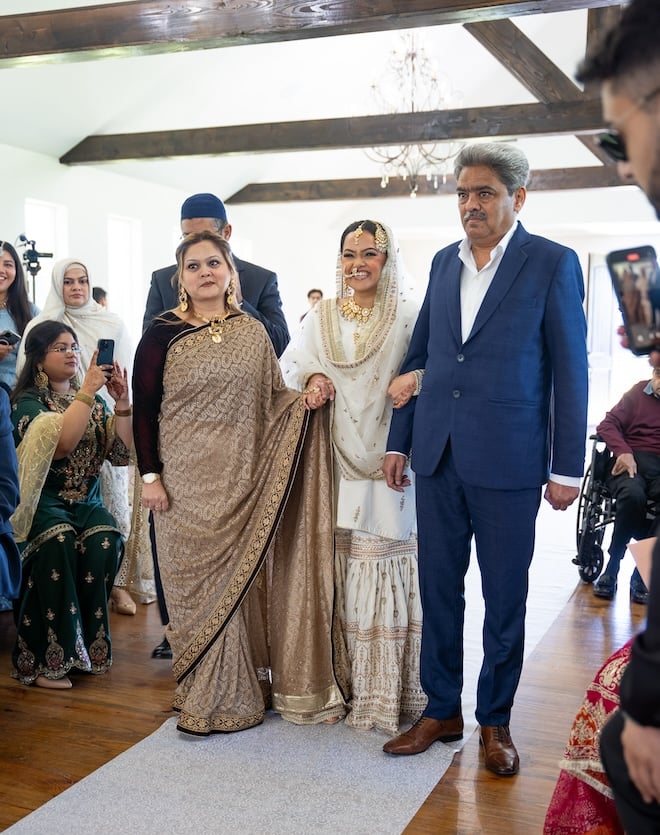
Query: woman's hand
<point x="117" y="385"/>
<point x="95" y="376"/>
<point x="5" y="350"/>
<point x="318" y="391"/>
<point x="402" y="388"/>
<point x="154" y="497"/>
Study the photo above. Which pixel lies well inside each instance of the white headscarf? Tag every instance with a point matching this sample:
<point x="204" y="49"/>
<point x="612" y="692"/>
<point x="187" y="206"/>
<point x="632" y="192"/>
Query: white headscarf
<point x="91" y="322"/>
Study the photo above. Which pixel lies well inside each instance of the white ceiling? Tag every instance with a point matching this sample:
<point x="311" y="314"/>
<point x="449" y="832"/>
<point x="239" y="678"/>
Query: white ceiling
<point x="62" y="103"/>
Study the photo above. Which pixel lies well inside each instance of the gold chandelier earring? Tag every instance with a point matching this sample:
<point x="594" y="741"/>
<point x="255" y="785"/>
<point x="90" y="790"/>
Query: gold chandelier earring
<point x="41" y="378"/>
<point x="231" y="298"/>
<point x="183" y="298"/>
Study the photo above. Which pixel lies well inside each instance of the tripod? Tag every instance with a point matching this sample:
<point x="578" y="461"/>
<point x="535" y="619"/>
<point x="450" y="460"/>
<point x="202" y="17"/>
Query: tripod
<point x="31" y="260"/>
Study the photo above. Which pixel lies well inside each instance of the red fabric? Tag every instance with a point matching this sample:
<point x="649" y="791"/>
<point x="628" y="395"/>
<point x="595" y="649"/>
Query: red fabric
<point x="581" y="803"/>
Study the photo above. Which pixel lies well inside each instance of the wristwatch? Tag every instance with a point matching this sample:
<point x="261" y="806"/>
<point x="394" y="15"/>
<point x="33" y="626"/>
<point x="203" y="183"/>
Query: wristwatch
<point x="149" y="478"/>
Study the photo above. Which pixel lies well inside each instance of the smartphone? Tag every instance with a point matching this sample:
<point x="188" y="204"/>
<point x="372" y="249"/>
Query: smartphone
<point x="9" y="338"/>
<point x="106" y="351"/>
<point x="636" y="282"/>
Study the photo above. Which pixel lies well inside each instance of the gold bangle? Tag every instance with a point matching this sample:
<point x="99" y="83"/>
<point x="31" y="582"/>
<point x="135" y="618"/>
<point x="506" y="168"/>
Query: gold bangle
<point x="84" y="398"/>
<point x="124" y="412"/>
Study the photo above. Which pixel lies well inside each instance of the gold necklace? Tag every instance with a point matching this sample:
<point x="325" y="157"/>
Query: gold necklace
<point x="352" y="312"/>
<point x="214" y="323"/>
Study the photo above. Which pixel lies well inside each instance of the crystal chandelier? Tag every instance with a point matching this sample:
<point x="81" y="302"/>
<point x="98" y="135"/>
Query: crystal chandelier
<point x="410" y="84"/>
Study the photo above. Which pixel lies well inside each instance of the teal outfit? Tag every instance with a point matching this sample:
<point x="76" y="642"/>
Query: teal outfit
<point x="8" y="364"/>
<point x="73" y="548"/>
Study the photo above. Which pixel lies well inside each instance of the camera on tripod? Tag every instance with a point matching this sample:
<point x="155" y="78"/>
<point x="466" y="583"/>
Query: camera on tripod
<point x="31" y="259"/>
<point x="31" y="256"/>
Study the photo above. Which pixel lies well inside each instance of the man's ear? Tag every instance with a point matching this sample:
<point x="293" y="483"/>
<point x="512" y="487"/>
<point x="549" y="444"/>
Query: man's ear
<point x="519" y="198"/>
<point x="226" y="231"/>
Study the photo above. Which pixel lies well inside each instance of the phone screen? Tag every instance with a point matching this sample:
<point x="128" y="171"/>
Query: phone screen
<point x="636" y="282"/>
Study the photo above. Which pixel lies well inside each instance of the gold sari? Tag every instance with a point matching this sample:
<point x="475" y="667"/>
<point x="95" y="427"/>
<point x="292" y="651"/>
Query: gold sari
<point x="245" y="550"/>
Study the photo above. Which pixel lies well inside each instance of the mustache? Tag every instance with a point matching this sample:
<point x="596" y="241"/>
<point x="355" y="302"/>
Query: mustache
<point x="474" y="213"/>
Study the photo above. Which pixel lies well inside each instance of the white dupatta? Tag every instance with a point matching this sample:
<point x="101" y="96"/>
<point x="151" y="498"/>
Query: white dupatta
<point x="361" y="375"/>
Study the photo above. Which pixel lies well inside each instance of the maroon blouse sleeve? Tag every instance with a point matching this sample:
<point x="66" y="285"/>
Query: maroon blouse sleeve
<point x="148" y="389"/>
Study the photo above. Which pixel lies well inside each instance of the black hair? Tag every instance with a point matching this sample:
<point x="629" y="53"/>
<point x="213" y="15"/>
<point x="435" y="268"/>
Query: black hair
<point x="631" y="47"/>
<point x="18" y="303"/>
<point x="37" y="342"/>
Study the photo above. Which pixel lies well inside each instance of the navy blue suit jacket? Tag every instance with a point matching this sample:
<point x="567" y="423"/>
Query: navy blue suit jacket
<point x="513" y="397"/>
<point x="261" y="299"/>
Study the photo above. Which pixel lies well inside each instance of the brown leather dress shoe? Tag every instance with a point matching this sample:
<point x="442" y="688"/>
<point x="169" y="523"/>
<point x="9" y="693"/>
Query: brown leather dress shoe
<point x="424" y="733"/>
<point x="499" y="751"/>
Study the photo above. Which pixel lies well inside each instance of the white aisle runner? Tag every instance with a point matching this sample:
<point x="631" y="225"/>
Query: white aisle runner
<point x="276" y="778"/>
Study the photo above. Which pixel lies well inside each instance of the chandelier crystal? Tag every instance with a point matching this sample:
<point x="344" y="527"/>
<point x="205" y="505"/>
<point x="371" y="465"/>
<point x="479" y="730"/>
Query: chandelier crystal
<point x="411" y="83"/>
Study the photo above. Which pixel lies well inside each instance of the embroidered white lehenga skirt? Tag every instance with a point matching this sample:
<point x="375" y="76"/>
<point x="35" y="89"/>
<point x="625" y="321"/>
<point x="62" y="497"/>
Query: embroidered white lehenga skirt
<point x="377" y="587"/>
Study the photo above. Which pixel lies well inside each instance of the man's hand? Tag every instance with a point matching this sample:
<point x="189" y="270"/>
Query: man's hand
<point x="560" y="496"/>
<point x="641" y="751"/>
<point x="393" y="467"/>
<point x="625" y="463"/>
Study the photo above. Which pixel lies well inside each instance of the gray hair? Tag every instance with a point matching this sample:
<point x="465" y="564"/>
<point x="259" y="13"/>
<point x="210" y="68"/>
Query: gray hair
<point x="508" y="162"/>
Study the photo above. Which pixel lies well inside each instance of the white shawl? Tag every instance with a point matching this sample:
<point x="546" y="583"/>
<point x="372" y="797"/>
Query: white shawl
<point x="91" y="322"/>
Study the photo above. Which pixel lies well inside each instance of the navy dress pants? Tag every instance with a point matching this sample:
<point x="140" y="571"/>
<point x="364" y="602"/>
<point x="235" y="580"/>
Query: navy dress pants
<point x="449" y="514"/>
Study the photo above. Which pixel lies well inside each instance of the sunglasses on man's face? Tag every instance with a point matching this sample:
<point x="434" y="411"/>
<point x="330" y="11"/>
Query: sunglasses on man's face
<point x="612" y="143"/>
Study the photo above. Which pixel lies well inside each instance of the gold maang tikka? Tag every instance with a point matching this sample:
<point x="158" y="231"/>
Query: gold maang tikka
<point x="380" y="237"/>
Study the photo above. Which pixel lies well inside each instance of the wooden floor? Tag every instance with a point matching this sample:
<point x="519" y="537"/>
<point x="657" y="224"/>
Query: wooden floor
<point x="49" y="740"/>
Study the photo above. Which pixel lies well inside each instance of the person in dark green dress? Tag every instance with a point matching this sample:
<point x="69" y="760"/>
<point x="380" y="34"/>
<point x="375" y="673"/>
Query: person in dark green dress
<point x="70" y="544"/>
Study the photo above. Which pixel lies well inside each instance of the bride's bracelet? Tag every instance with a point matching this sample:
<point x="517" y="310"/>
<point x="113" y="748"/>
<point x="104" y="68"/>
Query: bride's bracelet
<point x="124" y="412"/>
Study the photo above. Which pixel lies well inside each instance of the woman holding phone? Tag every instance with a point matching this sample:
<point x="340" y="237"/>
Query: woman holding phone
<point x="15" y="311"/>
<point x="70" y="301"/>
<point x="70" y="543"/>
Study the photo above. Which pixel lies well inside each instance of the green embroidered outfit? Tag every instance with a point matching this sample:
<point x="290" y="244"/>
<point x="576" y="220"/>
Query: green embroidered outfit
<point x="70" y="543"/>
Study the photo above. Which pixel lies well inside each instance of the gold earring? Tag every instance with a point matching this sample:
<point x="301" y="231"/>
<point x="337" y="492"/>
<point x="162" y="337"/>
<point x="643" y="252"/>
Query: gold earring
<point x="183" y="298"/>
<point x="41" y="378"/>
<point x="231" y="298"/>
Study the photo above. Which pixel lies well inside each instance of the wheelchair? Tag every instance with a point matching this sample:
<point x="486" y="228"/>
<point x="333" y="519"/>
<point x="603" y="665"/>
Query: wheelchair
<point x="596" y="510"/>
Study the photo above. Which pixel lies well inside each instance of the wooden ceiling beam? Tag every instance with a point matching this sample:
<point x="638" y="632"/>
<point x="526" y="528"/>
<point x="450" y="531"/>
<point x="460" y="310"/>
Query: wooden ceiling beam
<point x="331" y="134"/>
<point x="369" y="189"/>
<point x="161" y="26"/>
<point x="531" y="67"/>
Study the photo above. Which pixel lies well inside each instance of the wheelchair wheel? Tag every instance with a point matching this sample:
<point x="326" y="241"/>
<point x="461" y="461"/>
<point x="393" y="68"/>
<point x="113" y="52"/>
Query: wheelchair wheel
<point x="590" y="531"/>
<point x="589" y="560"/>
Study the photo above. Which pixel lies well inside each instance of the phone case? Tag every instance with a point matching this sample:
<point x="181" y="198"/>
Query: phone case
<point x="106" y="352"/>
<point x="9" y="338"/>
<point x="634" y="274"/>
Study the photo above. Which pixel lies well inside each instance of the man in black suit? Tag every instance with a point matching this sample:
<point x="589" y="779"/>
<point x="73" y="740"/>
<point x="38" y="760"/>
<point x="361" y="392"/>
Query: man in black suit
<point x="256" y="292"/>
<point x="256" y="287"/>
<point x="627" y="66"/>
